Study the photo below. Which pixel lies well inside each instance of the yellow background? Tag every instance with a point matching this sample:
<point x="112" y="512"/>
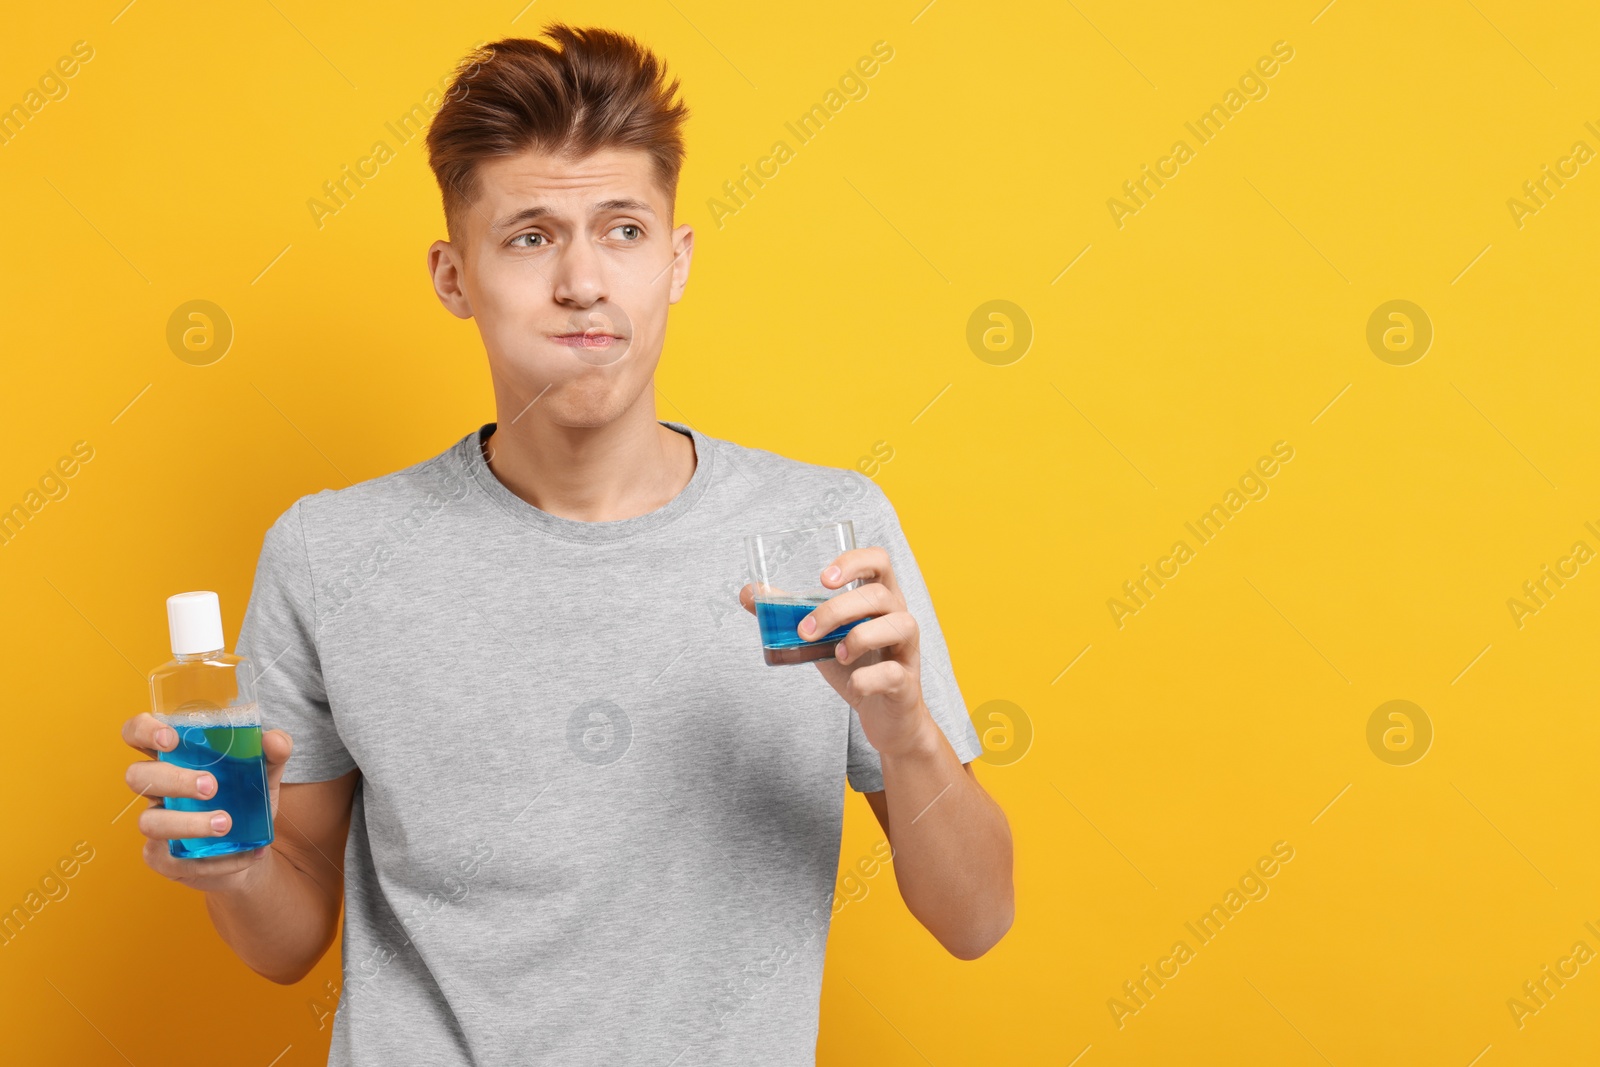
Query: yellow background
<point x="823" y="318"/>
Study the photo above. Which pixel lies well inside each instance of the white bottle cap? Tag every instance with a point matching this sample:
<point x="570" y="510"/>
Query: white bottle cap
<point x="195" y="622"/>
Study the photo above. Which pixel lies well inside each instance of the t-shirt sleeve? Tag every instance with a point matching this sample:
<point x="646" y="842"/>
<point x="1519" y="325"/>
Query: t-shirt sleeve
<point x="279" y="635"/>
<point x="878" y="524"/>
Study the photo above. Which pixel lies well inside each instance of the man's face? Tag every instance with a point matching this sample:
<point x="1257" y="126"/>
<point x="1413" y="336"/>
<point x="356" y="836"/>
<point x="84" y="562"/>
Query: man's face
<point x="568" y="266"/>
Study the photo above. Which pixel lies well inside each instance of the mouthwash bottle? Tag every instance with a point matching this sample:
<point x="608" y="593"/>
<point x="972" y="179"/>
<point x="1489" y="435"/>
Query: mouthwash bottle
<point x="208" y="696"/>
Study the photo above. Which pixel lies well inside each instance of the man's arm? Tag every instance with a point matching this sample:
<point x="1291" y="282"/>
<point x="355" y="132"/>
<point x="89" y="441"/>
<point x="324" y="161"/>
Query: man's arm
<point x="281" y="921"/>
<point x="951" y="845"/>
<point x="951" y="841"/>
<point x="279" y="909"/>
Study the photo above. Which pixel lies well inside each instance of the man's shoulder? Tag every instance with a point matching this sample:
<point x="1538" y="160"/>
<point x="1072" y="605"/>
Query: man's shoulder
<point x="336" y="514"/>
<point x="776" y="472"/>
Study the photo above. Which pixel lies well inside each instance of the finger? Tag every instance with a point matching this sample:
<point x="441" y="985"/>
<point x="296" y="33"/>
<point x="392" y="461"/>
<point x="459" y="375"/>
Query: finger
<point x="157" y="779"/>
<point x="888" y="632"/>
<point x="166" y="824"/>
<point x="890" y="679"/>
<point x="276" y="746"/>
<point x="853" y="604"/>
<point x="161" y="860"/>
<point x="149" y="734"/>
<point x="870" y="564"/>
<point x="747" y="598"/>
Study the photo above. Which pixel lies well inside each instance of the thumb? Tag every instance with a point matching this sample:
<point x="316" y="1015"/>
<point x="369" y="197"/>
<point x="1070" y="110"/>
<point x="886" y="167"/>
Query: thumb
<point x="276" y="745"/>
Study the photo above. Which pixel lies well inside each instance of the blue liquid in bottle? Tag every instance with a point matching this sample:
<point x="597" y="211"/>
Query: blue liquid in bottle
<point x="232" y="754"/>
<point x="778" y="619"/>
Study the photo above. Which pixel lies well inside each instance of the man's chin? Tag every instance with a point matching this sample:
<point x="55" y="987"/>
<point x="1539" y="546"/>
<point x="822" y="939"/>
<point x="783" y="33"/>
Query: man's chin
<point x="584" y="401"/>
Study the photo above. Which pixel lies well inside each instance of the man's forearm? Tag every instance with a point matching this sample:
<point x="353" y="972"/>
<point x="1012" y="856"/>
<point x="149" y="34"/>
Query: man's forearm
<point x="952" y="846"/>
<point x="281" y="923"/>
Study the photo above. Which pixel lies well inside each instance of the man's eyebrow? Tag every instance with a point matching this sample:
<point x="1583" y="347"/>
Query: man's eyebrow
<point x="637" y="206"/>
<point x="527" y="214"/>
<point x="532" y="214"/>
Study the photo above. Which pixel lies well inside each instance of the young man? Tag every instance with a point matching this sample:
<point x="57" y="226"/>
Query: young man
<point x="523" y="733"/>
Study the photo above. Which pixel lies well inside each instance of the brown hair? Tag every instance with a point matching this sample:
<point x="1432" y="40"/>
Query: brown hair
<point x="600" y="89"/>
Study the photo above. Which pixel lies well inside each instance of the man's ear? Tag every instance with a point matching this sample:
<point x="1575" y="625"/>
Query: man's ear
<point x="682" y="253"/>
<point x="445" y="270"/>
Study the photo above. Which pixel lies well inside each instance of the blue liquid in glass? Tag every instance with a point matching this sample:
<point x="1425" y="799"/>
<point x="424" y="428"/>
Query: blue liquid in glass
<point x="778" y="619"/>
<point x="232" y="754"/>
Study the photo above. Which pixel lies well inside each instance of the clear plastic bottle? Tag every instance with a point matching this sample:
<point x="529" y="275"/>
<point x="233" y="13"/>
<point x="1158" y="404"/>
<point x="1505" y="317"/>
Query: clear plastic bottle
<point x="208" y="696"/>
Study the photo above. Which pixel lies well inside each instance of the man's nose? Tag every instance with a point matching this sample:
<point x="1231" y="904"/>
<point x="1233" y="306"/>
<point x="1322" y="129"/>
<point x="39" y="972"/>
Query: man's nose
<point x="579" y="276"/>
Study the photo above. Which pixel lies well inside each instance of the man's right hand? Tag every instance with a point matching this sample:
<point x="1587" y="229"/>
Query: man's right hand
<point x="156" y="780"/>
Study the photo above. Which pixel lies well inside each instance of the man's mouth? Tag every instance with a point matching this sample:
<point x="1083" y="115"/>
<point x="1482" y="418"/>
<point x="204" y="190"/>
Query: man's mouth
<point x="598" y="336"/>
<point x="587" y="339"/>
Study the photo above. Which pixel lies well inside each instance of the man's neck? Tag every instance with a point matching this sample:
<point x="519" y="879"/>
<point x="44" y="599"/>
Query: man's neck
<point x="626" y="468"/>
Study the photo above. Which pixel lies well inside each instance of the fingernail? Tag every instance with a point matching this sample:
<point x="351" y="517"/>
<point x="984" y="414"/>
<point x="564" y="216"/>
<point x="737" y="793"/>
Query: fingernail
<point x="219" y="822"/>
<point x="808" y="624"/>
<point x="166" y="738"/>
<point x="831" y="574"/>
<point x="205" y="784"/>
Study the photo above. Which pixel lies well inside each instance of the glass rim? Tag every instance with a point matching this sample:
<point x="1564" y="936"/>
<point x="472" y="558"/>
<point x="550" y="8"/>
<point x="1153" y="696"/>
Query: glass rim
<point x="751" y="539"/>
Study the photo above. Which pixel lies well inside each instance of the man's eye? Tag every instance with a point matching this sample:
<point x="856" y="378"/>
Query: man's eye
<point x="520" y="236"/>
<point x="634" y="236"/>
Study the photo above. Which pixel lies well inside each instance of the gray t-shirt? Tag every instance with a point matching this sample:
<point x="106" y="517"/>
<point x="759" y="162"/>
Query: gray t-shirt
<point x="592" y="825"/>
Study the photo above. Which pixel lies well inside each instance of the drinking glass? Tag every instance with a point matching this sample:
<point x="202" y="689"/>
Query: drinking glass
<point x="786" y="571"/>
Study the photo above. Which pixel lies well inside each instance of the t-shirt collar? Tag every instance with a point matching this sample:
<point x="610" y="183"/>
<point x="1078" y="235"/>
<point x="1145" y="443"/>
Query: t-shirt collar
<point x="469" y="453"/>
